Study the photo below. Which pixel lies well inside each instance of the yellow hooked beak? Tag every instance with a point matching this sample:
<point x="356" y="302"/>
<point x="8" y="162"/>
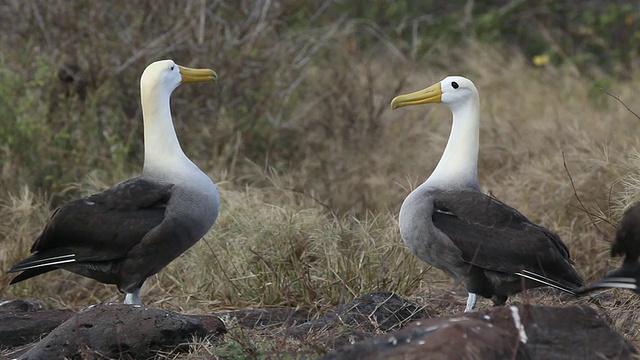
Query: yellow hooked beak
<point x="432" y="94"/>
<point x="196" y="75"/>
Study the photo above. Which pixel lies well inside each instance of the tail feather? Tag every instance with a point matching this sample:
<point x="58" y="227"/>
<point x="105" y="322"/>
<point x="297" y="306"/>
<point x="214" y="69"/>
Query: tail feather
<point x="625" y="277"/>
<point x="31" y="273"/>
<point x="546" y="281"/>
<point x="615" y="284"/>
<point x="39" y="261"/>
<point x="629" y="283"/>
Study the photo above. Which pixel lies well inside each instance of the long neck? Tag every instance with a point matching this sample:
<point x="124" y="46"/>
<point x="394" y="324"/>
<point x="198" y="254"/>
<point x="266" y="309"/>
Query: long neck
<point x="161" y="146"/>
<point x="458" y="166"/>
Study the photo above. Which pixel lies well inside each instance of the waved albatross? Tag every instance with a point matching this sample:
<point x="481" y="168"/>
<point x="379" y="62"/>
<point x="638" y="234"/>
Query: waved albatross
<point x="127" y="233"/>
<point x="627" y="243"/>
<point x="447" y="222"/>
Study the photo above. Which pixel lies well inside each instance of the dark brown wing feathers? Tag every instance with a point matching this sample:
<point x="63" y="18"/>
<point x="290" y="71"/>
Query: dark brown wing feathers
<point x="494" y="236"/>
<point x="102" y="227"/>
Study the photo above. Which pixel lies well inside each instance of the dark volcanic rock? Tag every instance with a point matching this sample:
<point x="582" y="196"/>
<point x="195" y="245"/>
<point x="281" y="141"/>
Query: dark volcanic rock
<point x="437" y="339"/>
<point x="20" y="305"/>
<point x="507" y="332"/>
<point x="265" y="317"/>
<point x="123" y="331"/>
<point x="25" y="321"/>
<point x="575" y="332"/>
<point x="362" y="318"/>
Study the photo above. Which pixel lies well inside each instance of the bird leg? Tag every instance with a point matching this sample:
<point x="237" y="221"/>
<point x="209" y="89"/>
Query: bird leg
<point x="133" y="298"/>
<point x="471" y="302"/>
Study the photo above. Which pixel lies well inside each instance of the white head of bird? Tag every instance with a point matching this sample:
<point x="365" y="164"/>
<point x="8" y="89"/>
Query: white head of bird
<point x="165" y="76"/>
<point x="159" y="79"/>
<point x="458" y="166"/>
<point x="453" y="91"/>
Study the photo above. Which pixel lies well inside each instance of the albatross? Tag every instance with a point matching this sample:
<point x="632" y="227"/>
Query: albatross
<point x="627" y="244"/>
<point x="131" y="231"/>
<point x="474" y="238"/>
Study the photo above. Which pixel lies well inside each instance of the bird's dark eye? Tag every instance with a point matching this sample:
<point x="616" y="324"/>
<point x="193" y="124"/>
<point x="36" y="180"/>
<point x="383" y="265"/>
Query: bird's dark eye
<point x="455" y="85"/>
<point x="172" y="67"/>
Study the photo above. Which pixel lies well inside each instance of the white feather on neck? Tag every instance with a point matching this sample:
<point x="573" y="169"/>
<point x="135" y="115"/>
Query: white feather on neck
<point x="458" y="166"/>
<point x="162" y="151"/>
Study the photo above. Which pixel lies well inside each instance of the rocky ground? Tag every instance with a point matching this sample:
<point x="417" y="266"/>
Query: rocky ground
<point x="378" y="325"/>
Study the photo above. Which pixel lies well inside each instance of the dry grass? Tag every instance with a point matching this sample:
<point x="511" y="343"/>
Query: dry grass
<point x="312" y="222"/>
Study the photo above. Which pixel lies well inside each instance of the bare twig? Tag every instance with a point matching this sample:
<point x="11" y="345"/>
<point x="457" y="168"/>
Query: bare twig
<point x="280" y="282"/>
<point x="203" y="18"/>
<point x="591" y="214"/>
<point x="41" y="25"/>
<point x="178" y="30"/>
<point x="609" y="208"/>
<point x="621" y="102"/>
<point x="575" y="193"/>
<point x="224" y="271"/>
<point x="377" y="32"/>
<point x="320" y="10"/>
<point x="324" y="205"/>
